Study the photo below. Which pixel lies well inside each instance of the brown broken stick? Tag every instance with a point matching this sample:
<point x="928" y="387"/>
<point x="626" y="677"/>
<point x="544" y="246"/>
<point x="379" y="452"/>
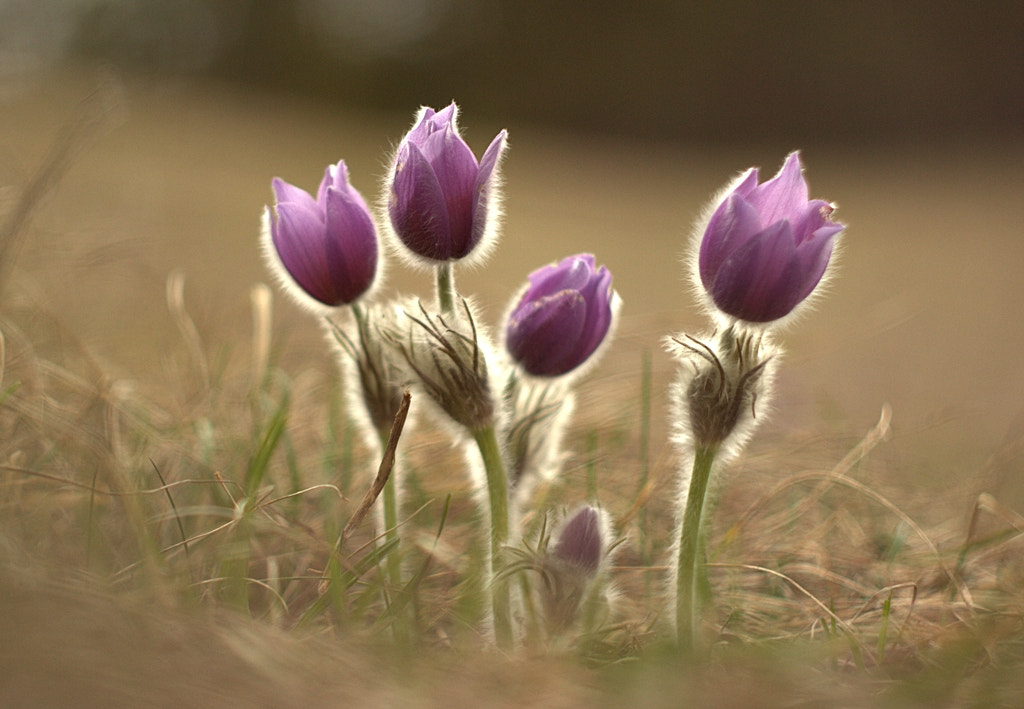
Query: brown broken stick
<point x="387" y="462"/>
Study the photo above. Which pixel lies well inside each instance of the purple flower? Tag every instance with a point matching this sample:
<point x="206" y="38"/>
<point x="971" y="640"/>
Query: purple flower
<point x="441" y="198"/>
<point x="579" y="543"/>
<point x="562" y="318"/>
<point x="766" y="246"/>
<point x="327" y="245"/>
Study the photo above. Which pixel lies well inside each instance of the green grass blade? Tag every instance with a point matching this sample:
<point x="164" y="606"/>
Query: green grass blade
<point x="275" y="428"/>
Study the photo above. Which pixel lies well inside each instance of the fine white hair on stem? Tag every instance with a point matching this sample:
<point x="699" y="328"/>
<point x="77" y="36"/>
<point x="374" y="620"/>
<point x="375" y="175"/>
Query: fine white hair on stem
<point x="720" y="395"/>
<point x="699" y="355"/>
<point x="540" y="414"/>
<point x="450" y="358"/>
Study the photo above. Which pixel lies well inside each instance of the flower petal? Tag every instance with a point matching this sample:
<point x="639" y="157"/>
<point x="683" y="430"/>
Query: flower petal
<point x="570" y="273"/>
<point x="455" y="168"/>
<point x="335" y="176"/>
<point x="543" y="335"/>
<point x="562" y="318"/>
<point x="417" y="207"/>
<point x="782" y="197"/>
<point x="483" y="186"/>
<point x="422" y="126"/>
<point x="767" y="246"/>
<point x="284" y="192"/>
<point x="598" y="295"/>
<point x="351" y="244"/>
<point x="732" y="225"/>
<point x="814" y="256"/>
<point x="447" y="116"/>
<point x="298" y="237"/>
<point x="747" y="182"/>
<point x="809" y="219"/>
<point x="579" y="542"/>
<point x="762" y="280"/>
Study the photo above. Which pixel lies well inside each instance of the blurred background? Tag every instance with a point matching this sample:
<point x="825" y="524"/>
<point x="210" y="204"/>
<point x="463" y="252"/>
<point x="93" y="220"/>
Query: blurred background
<point x="624" y="119"/>
<point x="667" y="69"/>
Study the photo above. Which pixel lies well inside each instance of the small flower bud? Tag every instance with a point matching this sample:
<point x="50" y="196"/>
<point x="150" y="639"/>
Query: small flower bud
<point x="571" y="569"/>
<point x="716" y="397"/>
<point x="766" y="247"/>
<point x="442" y="203"/>
<point x="579" y="543"/>
<point x="445" y="356"/>
<point x="562" y="318"/>
<point x="327" y="245"/>
<point x="367" y="366"/>
<point x="537" y="413"/>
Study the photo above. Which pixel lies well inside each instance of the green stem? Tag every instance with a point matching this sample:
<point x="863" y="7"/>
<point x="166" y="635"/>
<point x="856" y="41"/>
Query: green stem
<point x="691" y="566"/>
<point x="497" y="490"/>
<point x="445" y="287"/>
<point x="360" y="316"/>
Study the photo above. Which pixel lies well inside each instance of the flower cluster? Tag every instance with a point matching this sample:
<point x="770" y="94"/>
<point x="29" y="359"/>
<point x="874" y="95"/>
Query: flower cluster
<point x="441" y="208"/>
<point x="759" y="255"/>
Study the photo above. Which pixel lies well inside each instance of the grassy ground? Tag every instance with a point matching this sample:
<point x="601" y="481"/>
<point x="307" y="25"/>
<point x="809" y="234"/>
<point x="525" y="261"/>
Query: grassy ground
<point x="174" y="476"/>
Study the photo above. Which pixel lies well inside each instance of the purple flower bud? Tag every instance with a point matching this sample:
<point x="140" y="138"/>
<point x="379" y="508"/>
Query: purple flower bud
<point x="562" y="318"/>
<point x="327" y="245"/>
<point x="580" y="544"/>
<point x="441" y="198"/>
<point x="766" y="246"/>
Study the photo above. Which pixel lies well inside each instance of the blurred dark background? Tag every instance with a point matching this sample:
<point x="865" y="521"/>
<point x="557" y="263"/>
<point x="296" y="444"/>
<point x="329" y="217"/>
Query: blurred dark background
<point x="665" y="69"/>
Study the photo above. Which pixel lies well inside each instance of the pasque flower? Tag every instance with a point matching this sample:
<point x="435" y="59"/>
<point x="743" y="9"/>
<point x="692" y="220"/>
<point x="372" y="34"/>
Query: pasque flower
<point x="766" y="246"/>
<point x="442" y="201"/>
<point x="327" y="245"/>
<point x="562" y="318"/>
<point x="580" y="543"/>
<point x="570" y="569"/>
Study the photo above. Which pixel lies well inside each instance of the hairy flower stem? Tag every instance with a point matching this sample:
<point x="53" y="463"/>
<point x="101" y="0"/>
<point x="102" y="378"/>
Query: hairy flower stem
<point x="445" y="288"/>
<point x="497" y="491"/>
<point x="691" y="567"/>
